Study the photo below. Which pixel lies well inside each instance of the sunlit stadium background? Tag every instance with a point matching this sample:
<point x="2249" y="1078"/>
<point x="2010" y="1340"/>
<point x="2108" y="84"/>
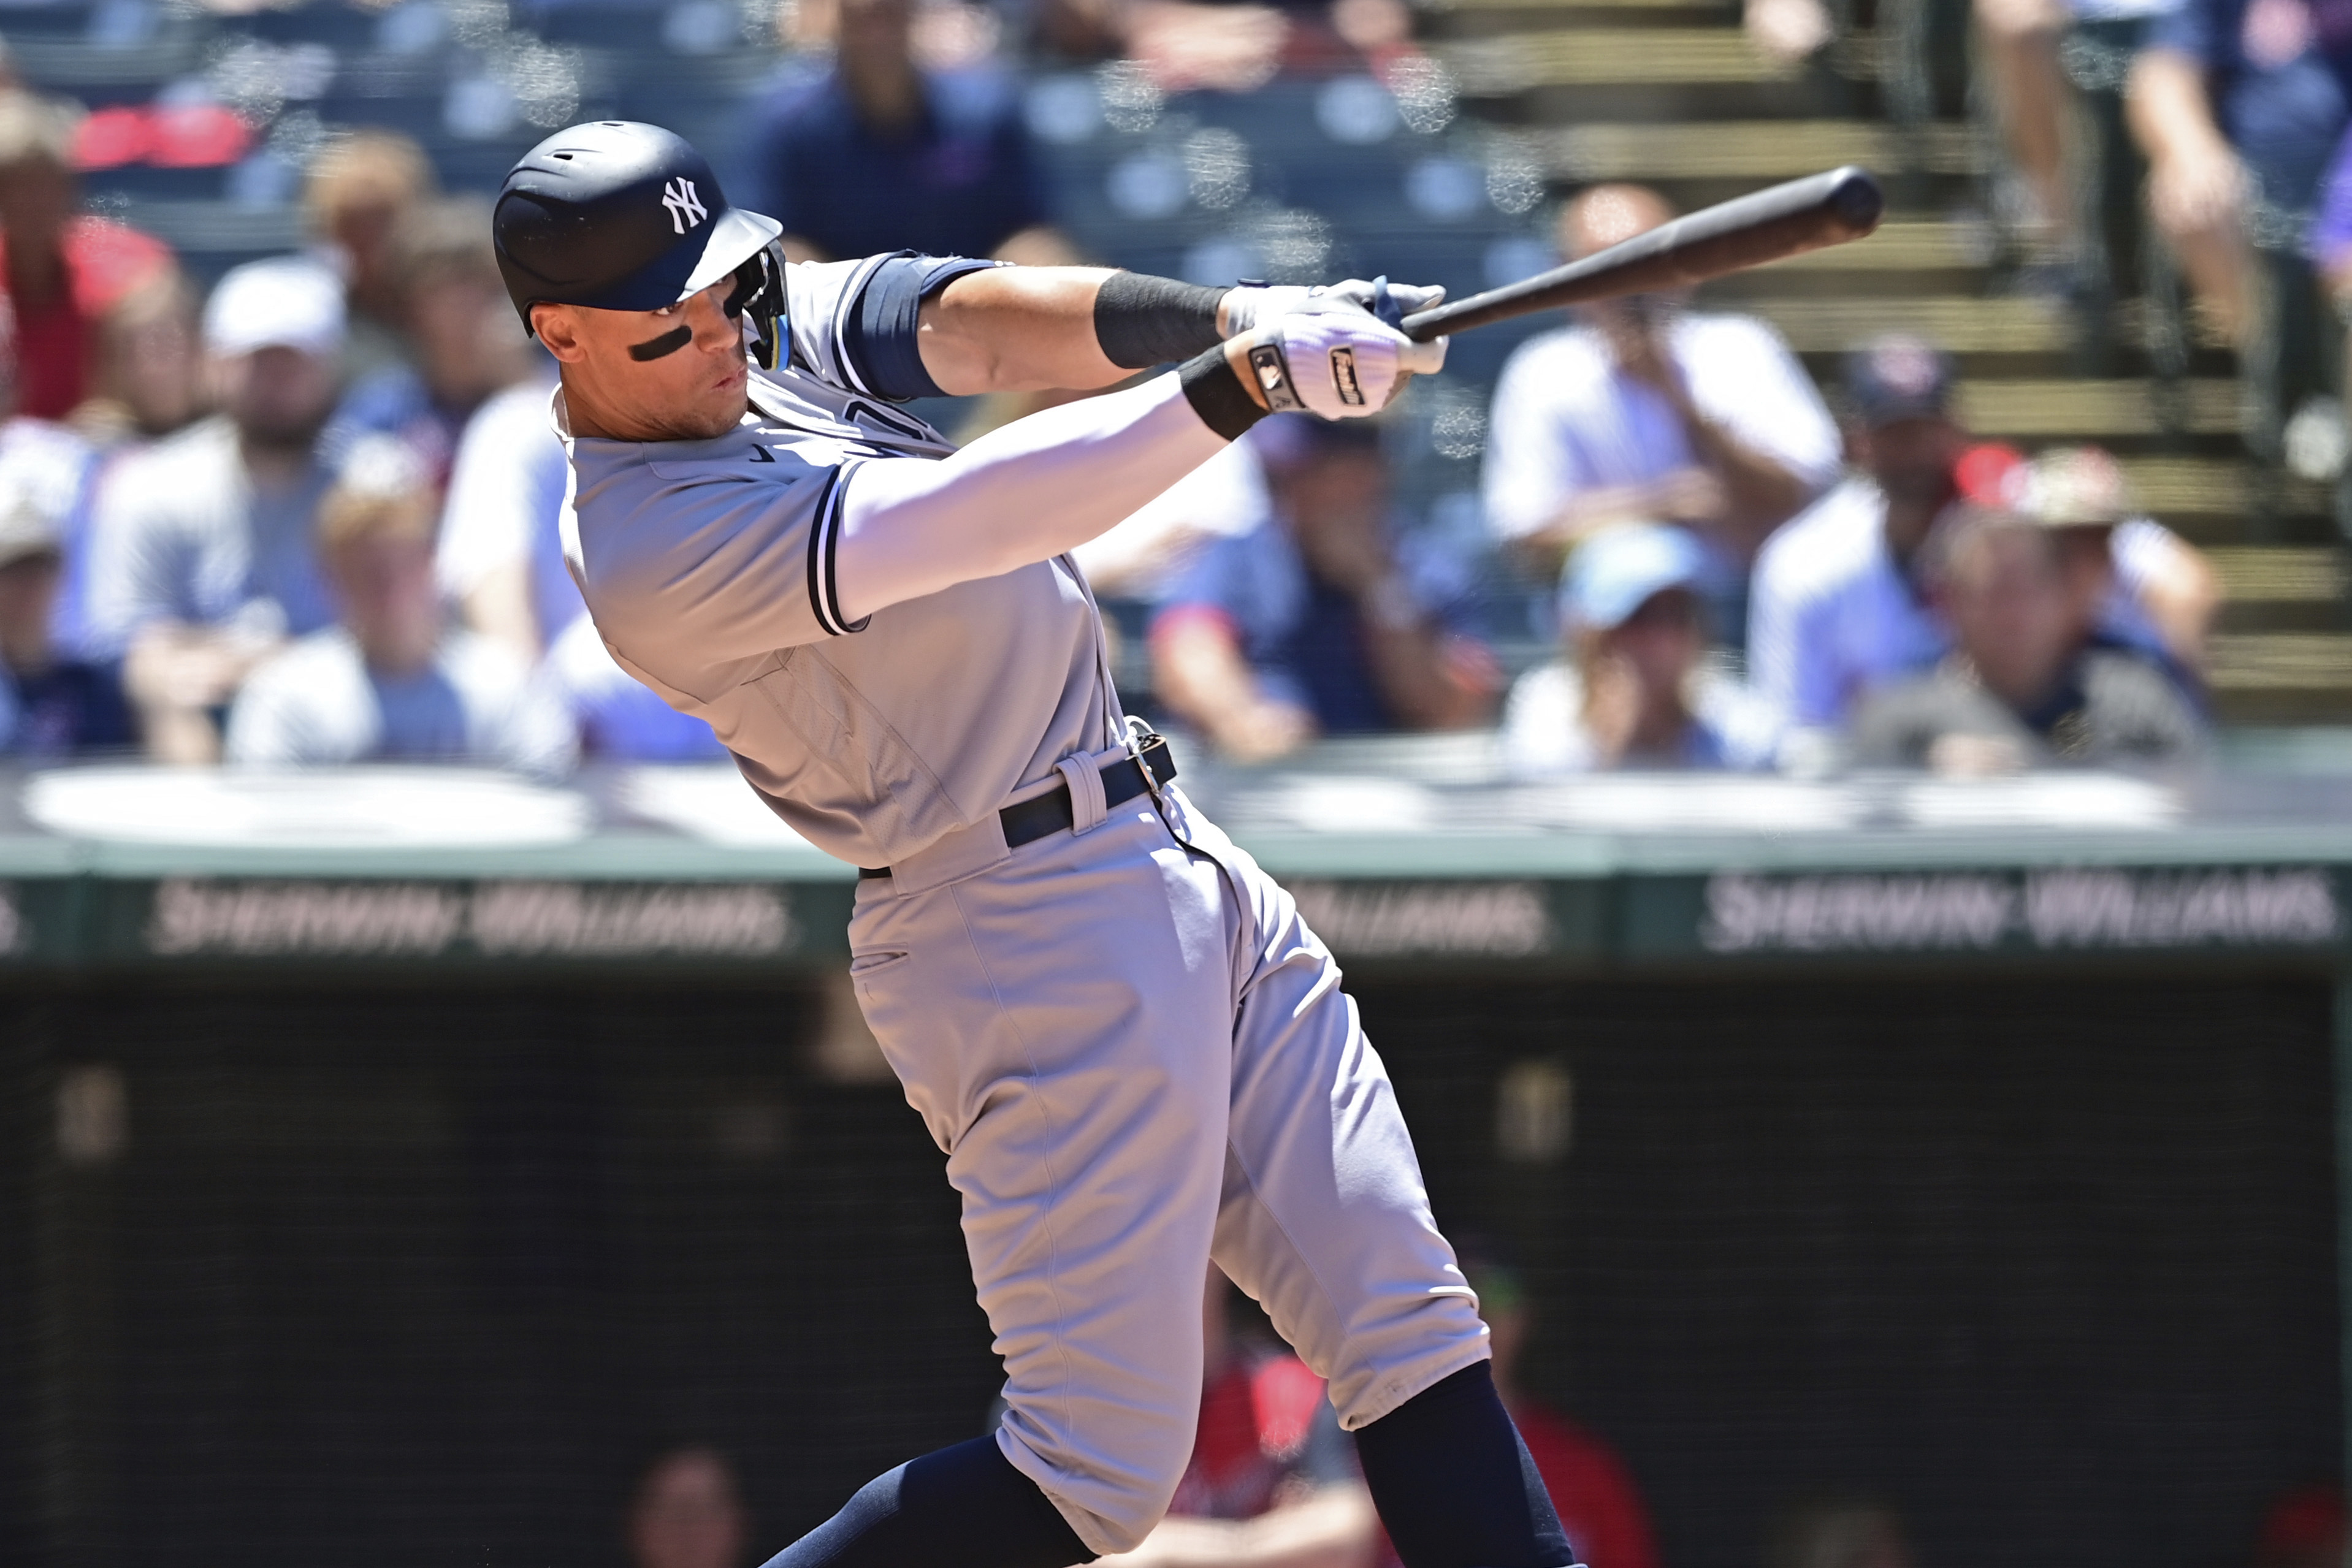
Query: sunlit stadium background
<point x="370" y="1199"/>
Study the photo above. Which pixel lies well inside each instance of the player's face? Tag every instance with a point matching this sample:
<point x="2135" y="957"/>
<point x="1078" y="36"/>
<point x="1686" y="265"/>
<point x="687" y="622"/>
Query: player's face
<point x="674" y="374"/>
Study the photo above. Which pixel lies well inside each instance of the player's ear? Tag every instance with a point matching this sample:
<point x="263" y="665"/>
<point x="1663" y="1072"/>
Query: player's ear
<point x="559" y="328"/>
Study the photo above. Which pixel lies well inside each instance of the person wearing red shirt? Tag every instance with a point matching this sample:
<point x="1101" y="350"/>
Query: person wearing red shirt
<point x="65" y="271"/>
<point x="1599" y="1505"/>
<point x="1273" y="1481"/>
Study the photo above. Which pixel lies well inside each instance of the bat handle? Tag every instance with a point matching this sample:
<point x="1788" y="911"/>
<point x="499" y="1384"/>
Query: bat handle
<point x="1385" y="305"/>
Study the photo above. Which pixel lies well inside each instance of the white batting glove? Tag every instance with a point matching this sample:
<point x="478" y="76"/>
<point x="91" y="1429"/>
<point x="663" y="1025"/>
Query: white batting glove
<point x="1251" y="306"/>
<point x="1337" y="361"/>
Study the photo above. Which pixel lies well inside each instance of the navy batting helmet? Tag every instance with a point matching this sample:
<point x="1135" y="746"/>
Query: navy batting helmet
<point x="617" y="215"/>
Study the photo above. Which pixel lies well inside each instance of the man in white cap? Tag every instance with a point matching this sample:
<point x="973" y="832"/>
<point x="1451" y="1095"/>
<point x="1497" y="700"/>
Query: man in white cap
<point x="202" y="557"/>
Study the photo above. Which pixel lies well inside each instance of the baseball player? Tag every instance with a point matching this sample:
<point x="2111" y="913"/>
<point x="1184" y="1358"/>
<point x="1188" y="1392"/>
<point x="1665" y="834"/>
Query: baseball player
<point x="1133" y="1052"/>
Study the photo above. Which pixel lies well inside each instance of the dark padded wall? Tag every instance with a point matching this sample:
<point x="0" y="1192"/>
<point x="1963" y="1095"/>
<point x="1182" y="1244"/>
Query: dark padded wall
<point x="416" y="1276"/>
<point x="2049" y="1265"/>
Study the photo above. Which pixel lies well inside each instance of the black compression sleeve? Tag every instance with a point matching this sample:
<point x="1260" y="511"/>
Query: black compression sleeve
<point x="1141" y="321"/>
<point x="1217" y="395"/>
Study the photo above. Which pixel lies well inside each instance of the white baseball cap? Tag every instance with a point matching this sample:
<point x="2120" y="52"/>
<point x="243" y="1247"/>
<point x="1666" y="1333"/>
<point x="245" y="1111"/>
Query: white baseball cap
<point x="286" y="302"/>
<point x="26" y="529"/>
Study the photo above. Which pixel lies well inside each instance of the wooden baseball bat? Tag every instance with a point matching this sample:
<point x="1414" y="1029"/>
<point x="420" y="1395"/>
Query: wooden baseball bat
<point x="1766" y="225"/>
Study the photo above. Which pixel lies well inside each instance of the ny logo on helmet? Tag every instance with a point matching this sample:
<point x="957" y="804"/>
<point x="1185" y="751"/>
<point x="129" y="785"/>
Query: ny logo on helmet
<point x="686" y="208"/>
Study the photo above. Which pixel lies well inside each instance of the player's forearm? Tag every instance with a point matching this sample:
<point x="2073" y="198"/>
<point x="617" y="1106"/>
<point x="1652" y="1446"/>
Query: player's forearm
<point x="1030" y="328"/>
<point x="1335" y="1528"/>
<point x="1424" y="689"/>
<point x="1198" y="669"/>
<point x="1589" y="511"/>
<point x="2181" y="594"/>
<point x="1016" y="329"/>
<point x="2166" y="102"/>
<point x="498" y="606"/>
<point x="1030" y="491"/>
<point x="1759" y="494"/>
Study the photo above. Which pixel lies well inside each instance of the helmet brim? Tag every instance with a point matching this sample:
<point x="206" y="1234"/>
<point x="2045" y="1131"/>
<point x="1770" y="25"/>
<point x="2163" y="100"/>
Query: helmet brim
<point x="735" y="239"/>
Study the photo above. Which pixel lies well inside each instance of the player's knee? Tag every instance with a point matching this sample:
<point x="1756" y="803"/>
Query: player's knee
<point x="1120" y="1482"/>
<point x="1126" y="1533"/>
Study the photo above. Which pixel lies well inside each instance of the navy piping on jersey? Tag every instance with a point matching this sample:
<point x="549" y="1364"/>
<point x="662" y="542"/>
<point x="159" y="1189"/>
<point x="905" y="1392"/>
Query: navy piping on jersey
<point x="825" y="597"/>
<point x="843" y="308"/>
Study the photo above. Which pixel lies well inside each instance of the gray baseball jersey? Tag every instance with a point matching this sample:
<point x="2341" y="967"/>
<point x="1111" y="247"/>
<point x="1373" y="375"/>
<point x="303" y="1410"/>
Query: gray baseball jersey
<point x="1132" y="1050"/>
<point x="708" y="566"/>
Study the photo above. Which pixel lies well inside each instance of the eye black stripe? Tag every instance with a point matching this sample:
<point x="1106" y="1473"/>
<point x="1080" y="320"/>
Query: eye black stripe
<point x="668" y="343"/>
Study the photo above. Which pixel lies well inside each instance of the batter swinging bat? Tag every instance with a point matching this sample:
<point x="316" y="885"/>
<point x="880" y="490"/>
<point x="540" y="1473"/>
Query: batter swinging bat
<point x="1766" y="225"/>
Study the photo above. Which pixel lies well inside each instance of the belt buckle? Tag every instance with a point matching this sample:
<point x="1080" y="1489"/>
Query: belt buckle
<point x="1140" y="736"/>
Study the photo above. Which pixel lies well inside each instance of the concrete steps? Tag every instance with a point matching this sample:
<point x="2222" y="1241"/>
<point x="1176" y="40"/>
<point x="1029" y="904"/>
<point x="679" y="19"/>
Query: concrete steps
<point x="1729" y="120"/>
<point x="1755" y="149"/>
<point x="2101" y="411"/>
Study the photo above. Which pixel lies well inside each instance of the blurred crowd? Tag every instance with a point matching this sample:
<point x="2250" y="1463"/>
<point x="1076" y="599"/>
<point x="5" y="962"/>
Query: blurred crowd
<point x="311" y="514"/>
<point x="308" y="518"/>
<point x="1746" y="579"/>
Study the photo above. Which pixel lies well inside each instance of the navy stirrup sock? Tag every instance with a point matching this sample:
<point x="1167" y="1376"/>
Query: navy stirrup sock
<point x="964" y="1505"/>
<point x="1455" y="1484"/>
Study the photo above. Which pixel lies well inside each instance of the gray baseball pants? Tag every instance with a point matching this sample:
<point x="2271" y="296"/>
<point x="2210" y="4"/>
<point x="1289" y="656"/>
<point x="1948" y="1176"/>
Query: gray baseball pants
<point x="1136" y="1057"/>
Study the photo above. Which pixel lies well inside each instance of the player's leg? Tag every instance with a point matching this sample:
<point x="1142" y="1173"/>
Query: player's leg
<point x="966" y="1504"/>
<point x="1060" y="1023"/>
<point x="1324" y="1219"/>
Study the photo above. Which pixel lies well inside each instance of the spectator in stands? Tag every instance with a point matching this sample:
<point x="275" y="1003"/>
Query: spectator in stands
<point x="2037" y="108"/>
<point x="1314" y="622"/>
<point x="201" y="556"/>
<point x="50" y="468"/>
<point x="2304" y="1528"/>
<point x="151" y="385"/>
<point x="1647" y="411"/>
<point x="65" y="271"/>
<point x="151" y="382"/>
<point x="2331" y="242"/>
<point x="618" y="718"/>
<point x="2029" y="681"/>
<point x="500" y="560"/>
<point x="2239" y="105"/>
<point x="875" y="154"/>
<point x="501" y="556"/>
<point x="1838" y="1532"/>
<point x="467" y="340"/>
<point x="1786" y="30"/>
<point x="1149" y="550"/>
<point x="360" y="189"/>
<point x="1631" y="688"/>
<point x="1599" y="1506"/>
<point x="2145" y="588"/>
<point x="1839" y="608"/>
<point x="51" y="703"/>
<point x="688" y="1512"/>
<point x="1272" y="1482"/>
<point x="387" y="683"/>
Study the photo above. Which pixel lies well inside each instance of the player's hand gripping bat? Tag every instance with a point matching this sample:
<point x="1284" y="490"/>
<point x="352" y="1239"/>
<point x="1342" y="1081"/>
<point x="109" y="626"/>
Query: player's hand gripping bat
<point x="1767" y="225"/>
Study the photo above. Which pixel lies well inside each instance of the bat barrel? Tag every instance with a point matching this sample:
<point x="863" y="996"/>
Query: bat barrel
<point x="1766" y="225"/>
